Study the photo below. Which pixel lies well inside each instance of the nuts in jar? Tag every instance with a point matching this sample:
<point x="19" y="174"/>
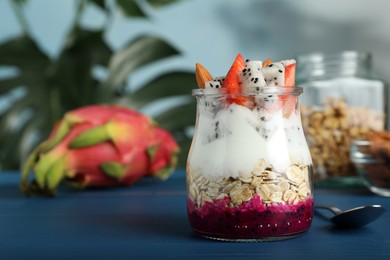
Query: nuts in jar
<point x="329" y="131"/>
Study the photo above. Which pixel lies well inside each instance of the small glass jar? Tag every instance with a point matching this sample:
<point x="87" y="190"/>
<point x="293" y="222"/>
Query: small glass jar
<point x="249" y="169"/>
<point x="343" y="101"/>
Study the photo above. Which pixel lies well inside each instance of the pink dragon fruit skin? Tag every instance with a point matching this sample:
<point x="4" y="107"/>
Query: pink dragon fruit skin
<point x="100" y="146"/>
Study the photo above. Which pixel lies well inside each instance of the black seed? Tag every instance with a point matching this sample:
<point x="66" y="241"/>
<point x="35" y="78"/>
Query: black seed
<point x="243" y="70"/>
<point x="266" y="99"/>
<point x="250" y="74"/>
<point x="258" y="89"/>
<point x="211" y="85"/>
<point x="252" y="79"/>
<point x="270" y="96"/>
<point x="270" y="65"/>
<point x="266" y="136"/>
<point x="217" y="123"/>
<point x="262" y="118"/>
<point x="281" y="71"/>
<point x="276" y="83"/>
<point x="247" y="60"/>
<point x="216" y="135"/>
<point x="249" y="69"/>
<point x="275" y="78"/>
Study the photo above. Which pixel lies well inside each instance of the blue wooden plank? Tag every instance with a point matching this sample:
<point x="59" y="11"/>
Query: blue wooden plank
<point x="149" y="220"/>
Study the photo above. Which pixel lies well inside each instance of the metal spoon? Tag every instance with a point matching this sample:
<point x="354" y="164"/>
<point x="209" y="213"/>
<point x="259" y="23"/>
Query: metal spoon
<point x="355" y="217"/>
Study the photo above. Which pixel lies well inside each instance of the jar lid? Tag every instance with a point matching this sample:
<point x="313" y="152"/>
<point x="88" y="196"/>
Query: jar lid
<point x="344" y="63"/>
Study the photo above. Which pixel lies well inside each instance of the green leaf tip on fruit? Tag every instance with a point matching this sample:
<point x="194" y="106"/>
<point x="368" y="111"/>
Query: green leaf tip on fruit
<point x="91" y="137"/>
<point x="151" y="151"/>
<point x="113" y="169"/>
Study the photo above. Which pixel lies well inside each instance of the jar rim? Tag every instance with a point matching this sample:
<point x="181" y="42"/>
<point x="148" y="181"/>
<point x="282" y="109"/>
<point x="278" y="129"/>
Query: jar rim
<point x="250" y="91"/>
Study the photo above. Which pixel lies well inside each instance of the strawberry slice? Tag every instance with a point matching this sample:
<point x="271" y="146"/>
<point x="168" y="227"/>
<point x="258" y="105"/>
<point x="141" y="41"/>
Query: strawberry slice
<point x="232" y="83"/>
<point x="289" y="101"/>
<point x="289" y="105"/>
<point x="289" y="75"/>
<point x="232" y="79"/>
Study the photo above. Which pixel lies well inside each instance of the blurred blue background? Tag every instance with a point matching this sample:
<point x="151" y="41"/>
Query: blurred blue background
<point x="213" y="32"/>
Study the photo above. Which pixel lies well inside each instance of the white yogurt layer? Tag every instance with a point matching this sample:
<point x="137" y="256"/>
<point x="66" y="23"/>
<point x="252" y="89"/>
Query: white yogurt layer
<point x="232" y="141"/>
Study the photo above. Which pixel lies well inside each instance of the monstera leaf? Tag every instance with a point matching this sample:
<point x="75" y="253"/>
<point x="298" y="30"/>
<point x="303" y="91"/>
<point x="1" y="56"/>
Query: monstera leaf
<point x="49" y="87"/>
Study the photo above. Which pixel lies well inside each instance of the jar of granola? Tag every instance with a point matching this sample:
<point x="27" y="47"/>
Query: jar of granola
<point x="249" y="170"/>
<point x="343" y="101"/>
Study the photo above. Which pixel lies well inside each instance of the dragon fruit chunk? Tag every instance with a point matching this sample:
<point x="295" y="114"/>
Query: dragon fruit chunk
<point x="100" y="146"/>
<point x="275" y="73"/>
<point x="215" y="83"/>
<point x="252" y="75"/>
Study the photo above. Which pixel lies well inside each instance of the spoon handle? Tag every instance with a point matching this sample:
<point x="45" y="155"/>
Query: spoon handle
<point x="331" y="208"/>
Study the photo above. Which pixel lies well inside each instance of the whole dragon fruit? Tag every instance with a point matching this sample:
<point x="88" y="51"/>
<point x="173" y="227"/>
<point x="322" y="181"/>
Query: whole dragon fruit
<point x="100" y="146"/>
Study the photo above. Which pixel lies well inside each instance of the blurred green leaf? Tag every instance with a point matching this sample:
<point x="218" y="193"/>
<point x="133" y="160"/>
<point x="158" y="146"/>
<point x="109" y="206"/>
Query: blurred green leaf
<point x="24" y="53"/>
<point x="166" y="85"/>
<point x="72" y="73"/>
<point x="20" y="2"/>
<point x="11" y="83"/>
<point x="99" y="3"/>
<point x="160" y="3"/>
<point x="130" y="8"/>
<point x="141" y="51"/>
<point x="183" y="115"/>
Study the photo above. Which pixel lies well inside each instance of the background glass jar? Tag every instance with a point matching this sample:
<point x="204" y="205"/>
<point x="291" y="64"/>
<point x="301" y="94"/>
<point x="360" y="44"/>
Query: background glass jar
<point x="249" y="170"/>
<point x="343" y="101"/>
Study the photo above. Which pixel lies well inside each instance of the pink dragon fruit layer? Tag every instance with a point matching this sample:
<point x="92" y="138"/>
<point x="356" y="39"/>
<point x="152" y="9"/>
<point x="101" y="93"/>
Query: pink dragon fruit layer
<point x="250" y="220"/>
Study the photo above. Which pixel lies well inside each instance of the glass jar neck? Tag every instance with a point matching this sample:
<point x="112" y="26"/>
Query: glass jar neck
<point x="320" y="66"/>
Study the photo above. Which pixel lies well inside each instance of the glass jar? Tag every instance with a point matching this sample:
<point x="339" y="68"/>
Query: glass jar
<point x="343" y="101"/>
<point x="249" y="169"/>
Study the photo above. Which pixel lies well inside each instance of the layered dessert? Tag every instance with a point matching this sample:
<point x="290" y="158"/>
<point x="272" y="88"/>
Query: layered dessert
<point x="249" y="171"/>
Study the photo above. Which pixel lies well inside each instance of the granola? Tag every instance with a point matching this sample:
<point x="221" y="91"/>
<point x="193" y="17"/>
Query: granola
<point x="273" y="187"/>
<point x="329" y="131"/>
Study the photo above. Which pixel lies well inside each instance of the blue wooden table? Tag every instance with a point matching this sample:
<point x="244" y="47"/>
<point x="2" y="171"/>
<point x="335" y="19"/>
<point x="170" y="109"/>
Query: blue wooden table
<point x="148" y="220"/>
